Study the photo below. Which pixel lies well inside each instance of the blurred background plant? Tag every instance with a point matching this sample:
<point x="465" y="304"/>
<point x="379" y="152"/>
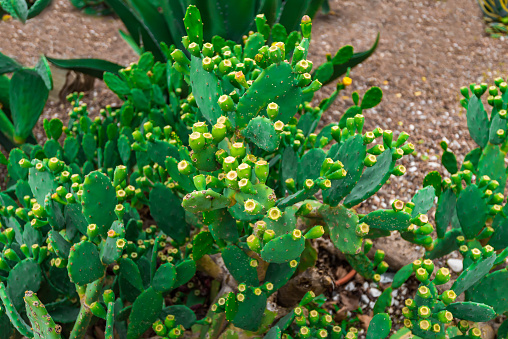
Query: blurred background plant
<point x="92" y="7"/>
<point x="495" y="13"/>
<point x="22" y="10"/>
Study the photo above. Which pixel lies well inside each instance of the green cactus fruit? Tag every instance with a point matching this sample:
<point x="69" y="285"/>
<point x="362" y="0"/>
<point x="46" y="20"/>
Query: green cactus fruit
<point x="240" y="265"/>
<point x="351" y="154"/>
<point x="204" y="201"/>
<point x="164" y="278"/>
<point x="497" y="123"/>
<point x="384" y="301"/>
<point x="284" y="248"/>
<point x="183" y="180"/>
<point x="113" y="247"/>
<point x="41" y="182"/>
<point x="478" y="121"/>
<point x="84" y="264"/>
<point x="25" y="276"/>
<point x="491" y="290"/>
<point x="15" y="318"/>
<point x="168" y="213"/>
<point x="185" y="270"/>
<point x="251" y="307"/>
<point x="472" y="211"/>
<point x="491" y="163"/>
<point x="279" y="274"/>
<point x="202" y="244"/>
<point x="445" y="211"/>
<point x="42" y="324"/>
<point x="99" y="201"/>
<point x="423" y="200"/>
<point x="471" y="311"/>
<point x="221" y="225"/>
<point x="277" y="83"/>
<point x="129" y="280"/>
<point x="59" y="244"/>
<point x="145" y="311"/>
<point x="159" y="150"/>
<point x="372" y="179"/>
<point x="110" y="321"/>
<point x="473" y="274"/>
<point x="307" y="167"/>
<point x="261" y="132"/>
<point x="389" y="220"/>
<point x="379" y="326"/>
<point x="342" y="224"/>
<point x="206" y="89"/>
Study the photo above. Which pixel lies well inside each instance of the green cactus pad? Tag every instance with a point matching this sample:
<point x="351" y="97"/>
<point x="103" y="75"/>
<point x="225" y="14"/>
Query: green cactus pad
<point x="433" y="179"/>
<point x="379" y="326"/>
<point x="183" y="180"/>
<point x="168" y="213"/>
<point x="444" y="211"/>
<point x="253" y="44"/>
<point x="279" y="274"/>
<point x="351" y="154"/>
<point x="423" y="200"/>
<point x="206" y="89"/>
<point x="239" y="265"/>
<point x="110" y="252"/>
<point x="277" y="83"/>
<point x="445" y="245"/>
<point x="472" y="211"/>
<point x="42" y="324"/>
<point x="202" y="244"/>
<point x="183" y="315"/>
<point x="295" y="198"/>
<point x="471" y="311"/>
<point x="371" y="180"/>
<point x="261" y="132"/>
<point x="250" y="310"/>
<point x="361" y="264"/>
<point x="285" y="224"/>
<point x="164" y="278"/>
<point x="496" y="123"/>
<point x="491" y="163"/>
<point x="25" y="276"/>
<point x="145" y="311"/>
<point x="99" y="201"/>
<point x="264" y="195"/>
<point x="478" y="121"/>
<point x="389" y="220"/>
<point x="41" y="183"/>
<point x="54" y="213"/>
<point x="308" y="167"/>
<point x="221" y="225"/>
<point x="74" y="217"/>
<point x="194" y="25"/>
<point x="499" y="239"/>
<point x="372" y="98"/>
<point x="384" y="301"/>
<point x="17" y="172"/>
<point x="13" y="315"/>
<point x="472" y="274"/>
<point x="491" y="290"/>
<point x="289" y="166"/>
<point x="159" y="150"/>
<point x="185" y="270"/>
<point x="59" y="244"/>
<point x="84" y="264"/>
<point x="129" y="280"/>
<point x="402" y="275"/>
<point x="204" y="201"/>
<point x="283" y="249"/>
<point x="274" y="333"/>
<point x="342" y="224"/>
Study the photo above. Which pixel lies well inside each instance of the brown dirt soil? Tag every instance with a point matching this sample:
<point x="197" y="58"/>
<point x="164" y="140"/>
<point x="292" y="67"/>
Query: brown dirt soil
<point x="428" y="50"/>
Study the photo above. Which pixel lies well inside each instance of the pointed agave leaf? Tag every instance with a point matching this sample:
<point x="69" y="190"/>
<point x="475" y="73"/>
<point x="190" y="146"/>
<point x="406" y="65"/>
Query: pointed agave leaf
<point x="93" y="67"/>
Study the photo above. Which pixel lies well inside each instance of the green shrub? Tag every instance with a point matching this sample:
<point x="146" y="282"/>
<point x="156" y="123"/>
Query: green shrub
<point x="23" y="10"/>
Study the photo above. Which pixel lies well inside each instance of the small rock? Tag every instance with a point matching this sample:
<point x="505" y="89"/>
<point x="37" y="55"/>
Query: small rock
<point x="365" y="299"/>
<point x="455" y="265"/>
<point x="350" y="287"/>
<point x="375" y="292"/>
